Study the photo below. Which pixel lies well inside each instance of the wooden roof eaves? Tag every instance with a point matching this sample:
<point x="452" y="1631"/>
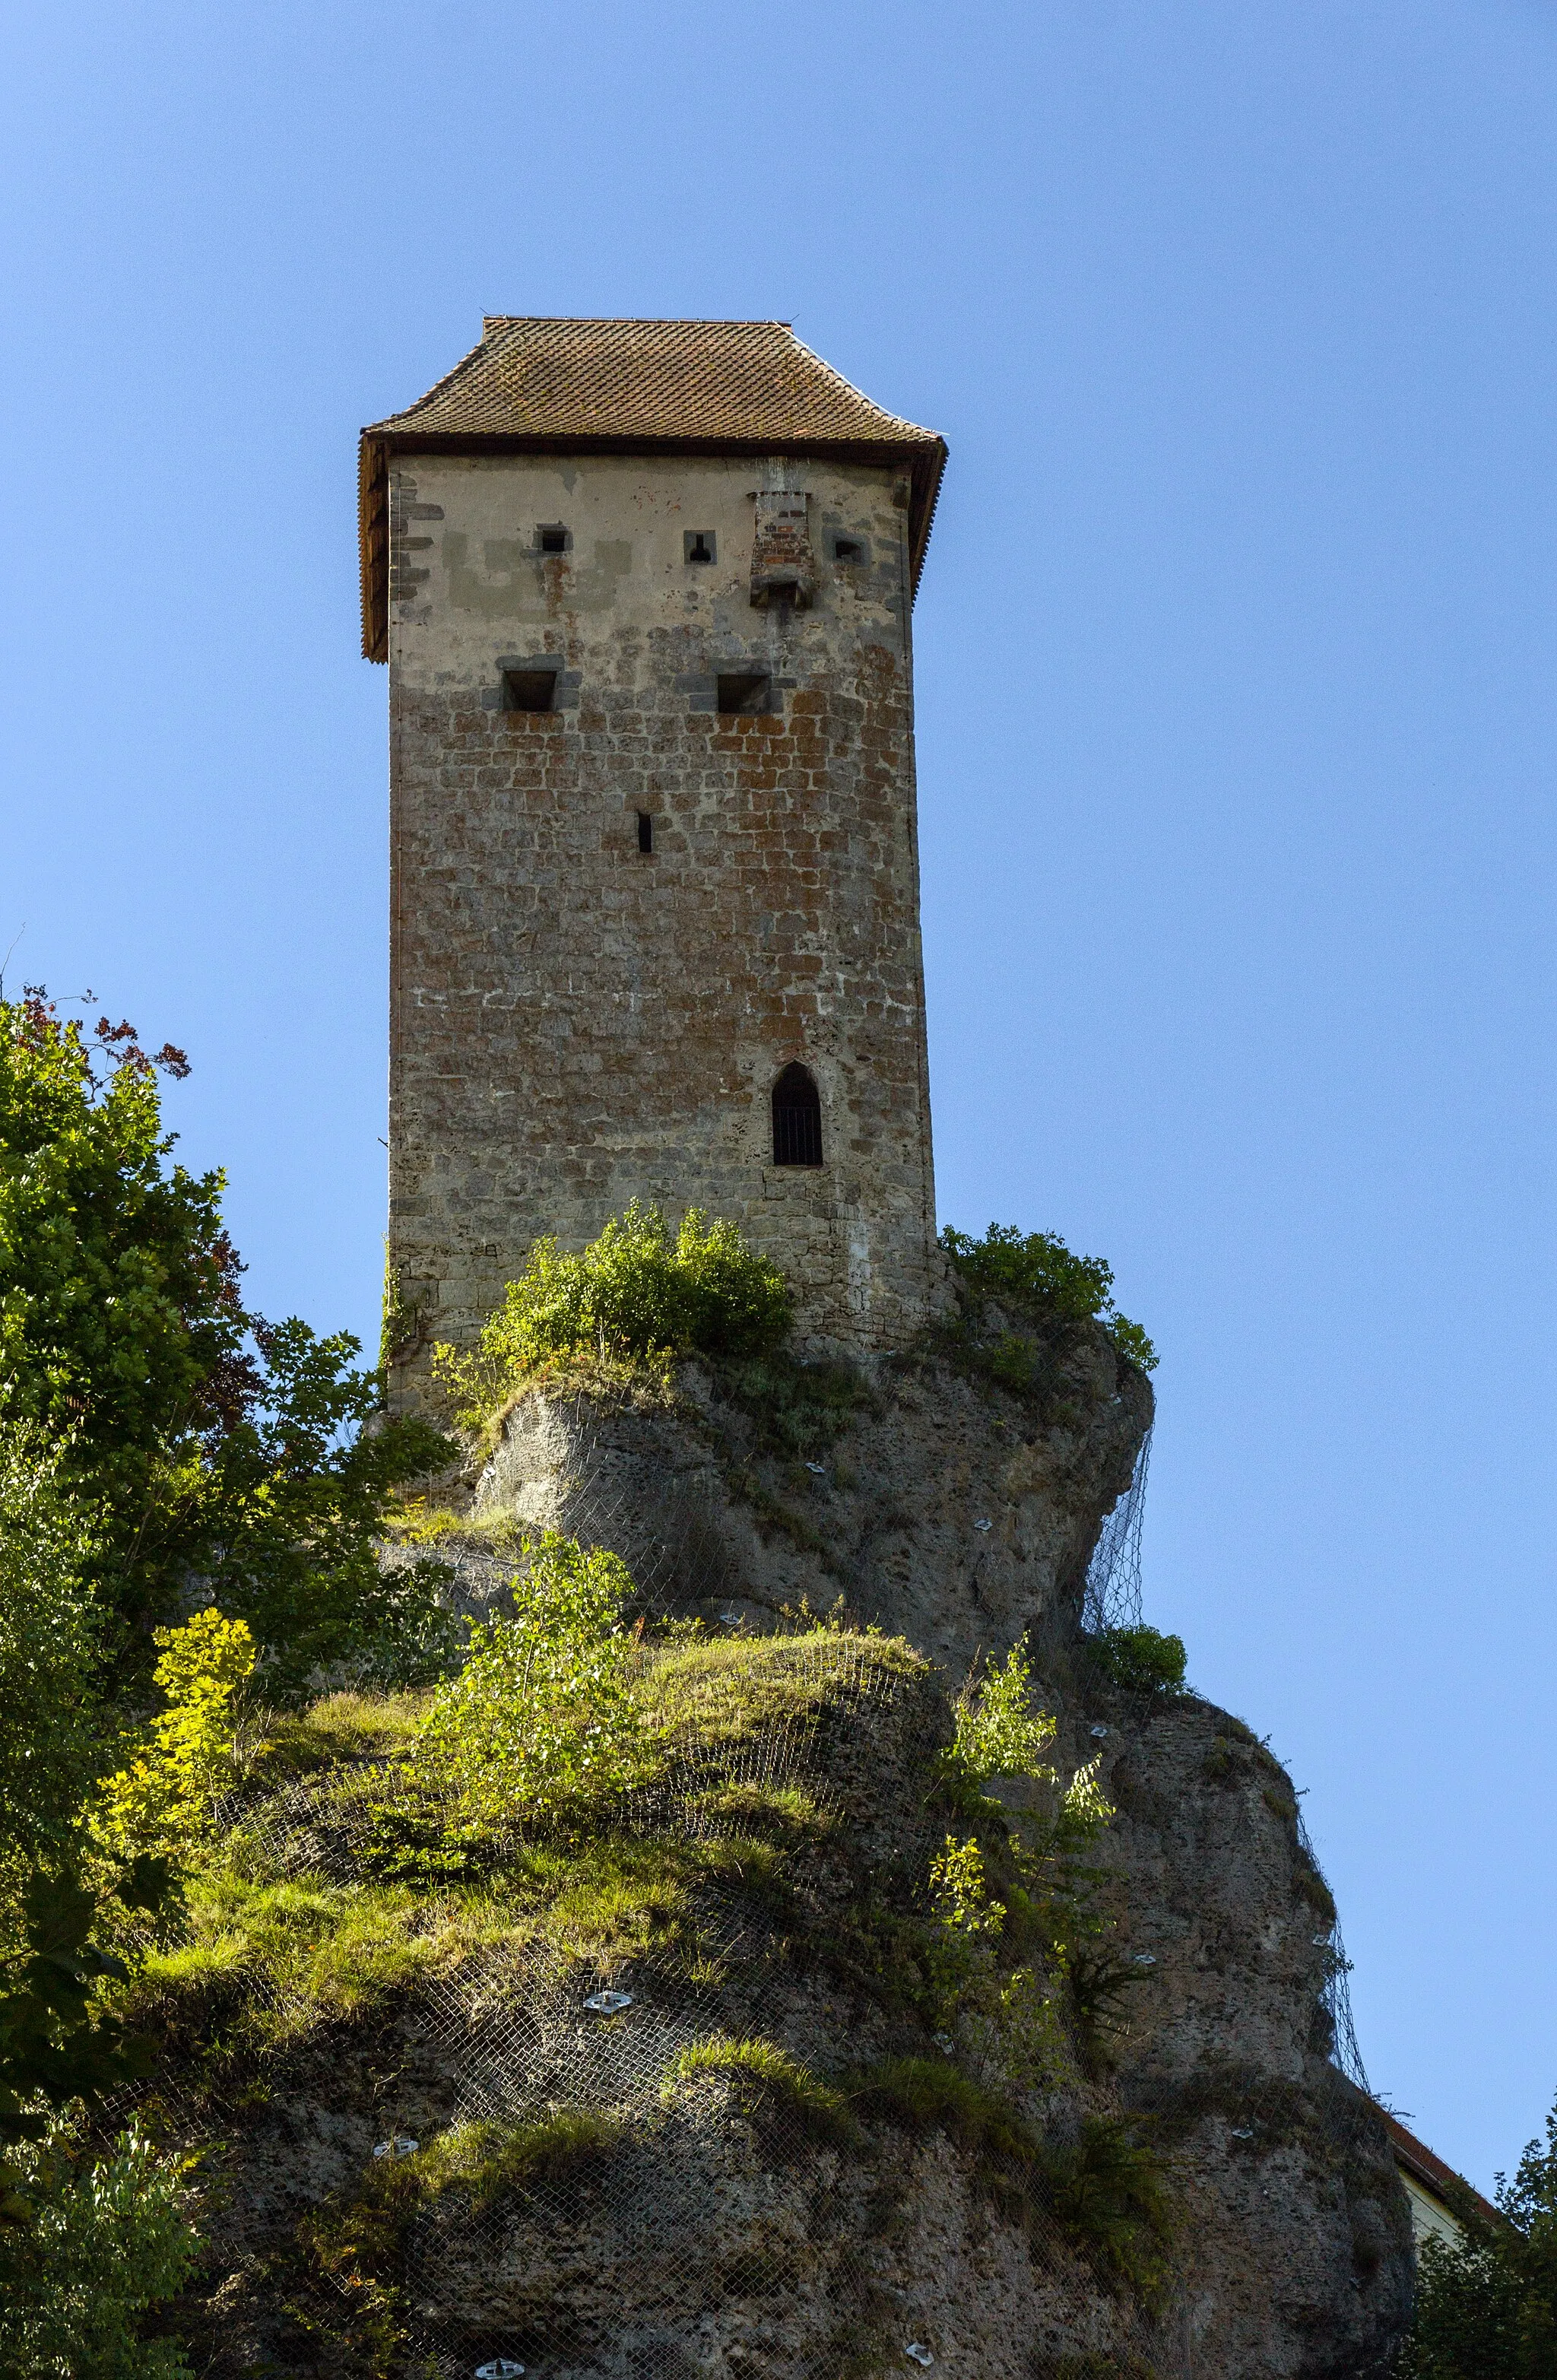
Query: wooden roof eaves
<point x="926" y="459"/>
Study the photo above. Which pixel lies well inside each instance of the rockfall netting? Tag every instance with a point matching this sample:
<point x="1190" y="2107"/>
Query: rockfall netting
<point x="1113" y="1599"/>
<point x="716" y="2222"/>
<point x="1111" y="1596"/>
<point x="711" y="2224"/>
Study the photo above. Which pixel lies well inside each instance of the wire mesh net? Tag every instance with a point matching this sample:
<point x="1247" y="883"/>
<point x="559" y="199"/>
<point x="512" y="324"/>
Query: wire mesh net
<point x="722" y="2228"/>
<point x="722" y="2231"/>
<point x="1111" y="1595"/>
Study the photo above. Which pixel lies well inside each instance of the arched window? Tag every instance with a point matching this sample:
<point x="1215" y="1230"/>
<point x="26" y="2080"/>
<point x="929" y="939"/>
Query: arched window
<point x="797" y="1119"/>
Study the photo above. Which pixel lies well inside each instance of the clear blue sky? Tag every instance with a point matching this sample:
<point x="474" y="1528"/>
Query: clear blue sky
<point x="1238" y="726"/>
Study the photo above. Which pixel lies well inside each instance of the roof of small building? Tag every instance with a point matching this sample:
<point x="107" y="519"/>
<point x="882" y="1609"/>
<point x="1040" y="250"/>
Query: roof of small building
<point x="541" y="384"/>
<point x="1440" y="2180"/>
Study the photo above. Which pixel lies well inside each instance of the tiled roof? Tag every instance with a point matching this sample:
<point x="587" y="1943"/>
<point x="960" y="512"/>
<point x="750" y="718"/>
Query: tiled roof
<point x="751" y="383"/>
<point x="540" y="383"/>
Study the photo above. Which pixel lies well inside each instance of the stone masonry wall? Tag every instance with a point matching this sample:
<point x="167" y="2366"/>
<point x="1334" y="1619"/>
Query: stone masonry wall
<point x="575" y="1021"/>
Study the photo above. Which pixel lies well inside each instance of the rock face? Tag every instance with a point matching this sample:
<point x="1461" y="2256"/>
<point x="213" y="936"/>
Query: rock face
<point x="1295" y="2256"/>
<point x="677" y="2201"/>
<point x="959" y="1520"/>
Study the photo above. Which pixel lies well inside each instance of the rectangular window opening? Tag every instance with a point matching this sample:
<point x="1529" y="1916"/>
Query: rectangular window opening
<point x="745" y="691"/>
<point x="846" y="549"/>
<point x="553" y="537"/>
<point x="529" y="689"/>
<point x="646" y="831"/>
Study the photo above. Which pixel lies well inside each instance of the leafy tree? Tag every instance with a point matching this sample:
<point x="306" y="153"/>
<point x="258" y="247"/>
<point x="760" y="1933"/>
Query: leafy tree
<point x="87" y="2244"/>
<point x="205" y="1443"/>
<point x="1487" y="2304"/>
<point x="1466" y="2322"/>
<point x="121" y="1330"/>
<point x="281" y="1514"/>
<point x="55" y="2048"/>
<point x="152" y="1432"/>
<point x="1529" y="2204"/>
<point x="51" y="1733"/>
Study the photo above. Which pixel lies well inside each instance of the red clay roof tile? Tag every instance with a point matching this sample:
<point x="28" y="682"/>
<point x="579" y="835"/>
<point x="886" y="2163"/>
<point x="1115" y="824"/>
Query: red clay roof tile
<point x="538" y="383"/>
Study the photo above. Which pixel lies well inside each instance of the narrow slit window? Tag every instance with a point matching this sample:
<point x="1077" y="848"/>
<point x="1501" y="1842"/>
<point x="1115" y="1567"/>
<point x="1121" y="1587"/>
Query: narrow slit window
<point x="797" y="1119"/>
<point x="646" y="831"/>
<point x="743" y="692"/>
<point x="529" y="689"/>
<point x="699" y="545"/>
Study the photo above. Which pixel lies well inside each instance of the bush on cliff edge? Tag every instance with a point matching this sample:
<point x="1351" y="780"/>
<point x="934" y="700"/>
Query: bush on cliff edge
<point x="637" y="1294"/>
<point x="1036" y="1271"/>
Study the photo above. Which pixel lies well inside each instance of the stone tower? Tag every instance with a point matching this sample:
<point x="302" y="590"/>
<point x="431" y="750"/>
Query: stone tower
<point x="644" y="592"/>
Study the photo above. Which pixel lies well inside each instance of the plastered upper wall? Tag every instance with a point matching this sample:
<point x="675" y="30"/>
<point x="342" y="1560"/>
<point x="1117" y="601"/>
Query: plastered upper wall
<point x="466" y="559"/>
<point x="574" y="1021"/>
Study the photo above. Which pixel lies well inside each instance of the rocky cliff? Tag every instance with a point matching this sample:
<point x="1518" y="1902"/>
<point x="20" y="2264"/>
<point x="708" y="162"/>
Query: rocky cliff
<point x="795" y="2144"/>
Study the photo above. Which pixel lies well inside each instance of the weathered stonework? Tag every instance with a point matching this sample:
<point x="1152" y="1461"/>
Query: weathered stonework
<point x="575" y="1021"/>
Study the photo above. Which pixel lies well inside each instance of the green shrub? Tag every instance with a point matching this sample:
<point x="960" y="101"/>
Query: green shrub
<point x="1142" y="1660"/>
<point x="540" y="1718"/>
<point x="1007" y="2018"/>
<point x="931" y="2093"/>
<point x="1035" y="1269"/>
<point x="998" y="1731"/>
<point x="1110" y="2192"/>
<point x="959" y="1894"/>
<point x="487" y="2160"/>
<point x="635" y="1294"/>
<point x="163" y="1800"/>
<point x="795" y="1407"/>
<point x="88" y="2244"/>
<point x="1097" y="1984"/>
<point x="766" y="2081"/>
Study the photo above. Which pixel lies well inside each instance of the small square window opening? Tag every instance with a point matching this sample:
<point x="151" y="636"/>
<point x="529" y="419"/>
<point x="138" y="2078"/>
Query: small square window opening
<point x="745" y="691"/>
<point x="529" y="689"/>
<point x="699" y="545"/>
<point x="646" y="831"/>
<point x="846" y="549"/>
<point x="552" y="539"/>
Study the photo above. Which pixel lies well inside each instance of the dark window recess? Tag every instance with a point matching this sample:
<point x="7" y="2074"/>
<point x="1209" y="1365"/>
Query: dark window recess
<point x="528" y="690"/>
<point x="552" y="541"/>
<point x="797" y="1119"/>
<point x="846" y="549"/>
<point x="698" y="545"/>
<point x="744" y="692"/>
<point x="646" y="831"/>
